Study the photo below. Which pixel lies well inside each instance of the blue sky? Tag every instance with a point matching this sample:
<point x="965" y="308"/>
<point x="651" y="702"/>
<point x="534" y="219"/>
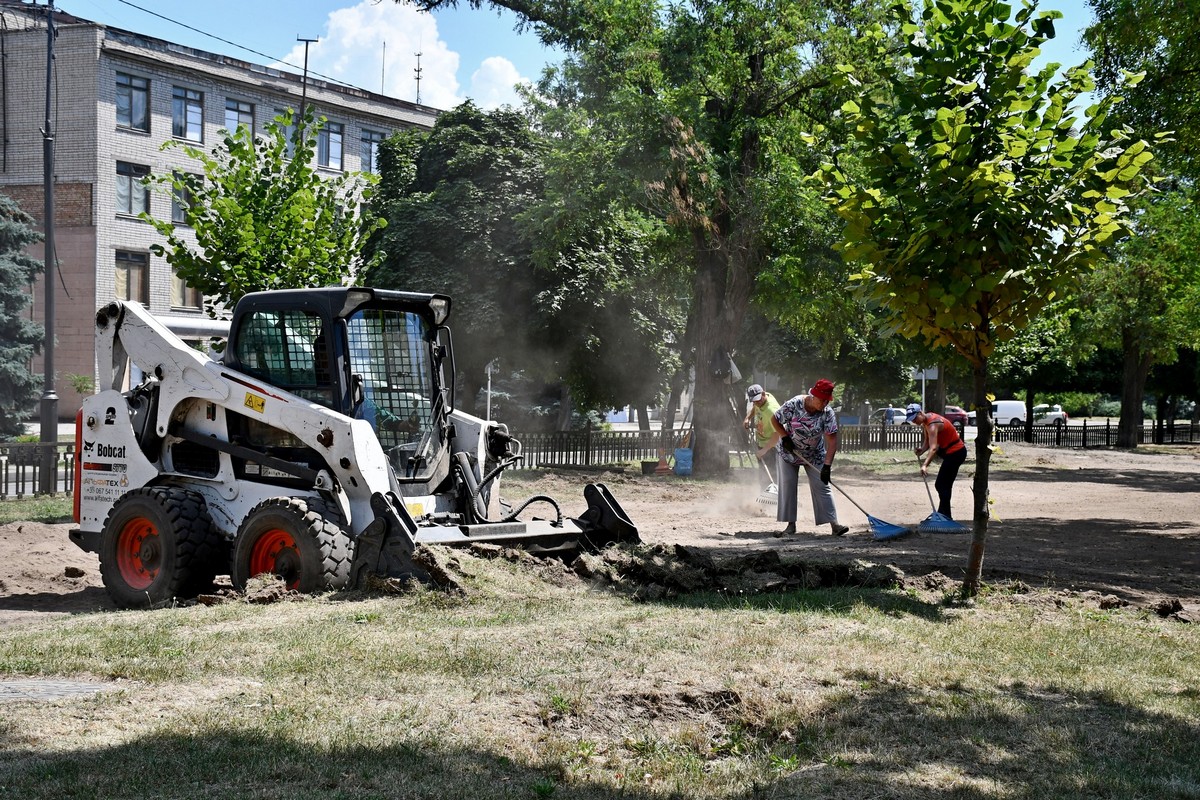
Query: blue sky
<point x="372" y="44"/>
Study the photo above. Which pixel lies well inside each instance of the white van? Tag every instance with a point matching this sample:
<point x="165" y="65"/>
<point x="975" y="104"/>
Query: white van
<point x="1008" y="412"/>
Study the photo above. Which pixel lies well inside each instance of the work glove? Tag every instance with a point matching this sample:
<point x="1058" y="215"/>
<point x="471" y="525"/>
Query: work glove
<point x="787" y="444"/>
<point x="825" y="474"/>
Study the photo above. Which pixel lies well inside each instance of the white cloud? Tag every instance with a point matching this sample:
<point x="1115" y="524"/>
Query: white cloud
<point x="493" y="84"/>
<point x="373" y="45"/>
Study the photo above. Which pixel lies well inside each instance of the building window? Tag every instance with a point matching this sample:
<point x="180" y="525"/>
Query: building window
<point x="371" y="141"/>
<point x="329" y="145"/>
<point x="181" y="197"/>
<point x="133" y="195"/>
<point x="184" y="296"/>
<point x="286" y="119"/>
<point x="238" y="113"/>
<point x="133" y="276"/>
<point x="133" y="102"/>
<point x="187" y="114"/>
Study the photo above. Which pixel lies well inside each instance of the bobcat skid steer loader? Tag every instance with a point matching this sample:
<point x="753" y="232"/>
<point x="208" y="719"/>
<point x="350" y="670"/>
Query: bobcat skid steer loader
<point x="323" y="446"/>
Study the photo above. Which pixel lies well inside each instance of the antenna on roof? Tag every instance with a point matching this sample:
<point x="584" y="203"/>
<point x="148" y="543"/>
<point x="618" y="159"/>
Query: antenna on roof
<point x="417" y="72"/>
<point x="383" y="67"/>
<point x="304" y="83"/>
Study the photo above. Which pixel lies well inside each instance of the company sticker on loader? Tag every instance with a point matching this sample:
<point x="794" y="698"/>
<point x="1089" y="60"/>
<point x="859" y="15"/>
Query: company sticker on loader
<point x="255" y="403"/>
<point x="104" y="481"/>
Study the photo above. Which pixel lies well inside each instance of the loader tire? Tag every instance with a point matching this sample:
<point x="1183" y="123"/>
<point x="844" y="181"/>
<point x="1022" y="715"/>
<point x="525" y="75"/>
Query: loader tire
<point x="299" y="539"/>
<point x="158" y="544"/>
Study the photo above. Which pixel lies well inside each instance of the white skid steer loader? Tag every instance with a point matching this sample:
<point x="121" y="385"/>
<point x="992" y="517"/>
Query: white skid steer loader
<point x="323" y="446"/>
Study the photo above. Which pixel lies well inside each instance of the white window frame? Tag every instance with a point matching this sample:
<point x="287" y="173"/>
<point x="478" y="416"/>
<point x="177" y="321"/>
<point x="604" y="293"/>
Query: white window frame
<point x="127" y="264"/>
<point x="240" y="112"/>
<point x="130" y="87"/>
<point x="330" y="145"/>
<point x="136" y="197"/>
<point x="187" y="114"/>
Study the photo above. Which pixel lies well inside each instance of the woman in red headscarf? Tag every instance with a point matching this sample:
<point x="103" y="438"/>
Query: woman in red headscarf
<point x="806" y="435"/>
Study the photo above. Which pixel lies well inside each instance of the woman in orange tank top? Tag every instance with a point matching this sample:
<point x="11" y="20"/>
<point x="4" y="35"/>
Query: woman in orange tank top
<point x="941" y="441"/>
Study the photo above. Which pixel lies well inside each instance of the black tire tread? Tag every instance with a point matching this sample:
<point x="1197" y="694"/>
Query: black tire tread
<point x="192" y="552"/>
<point x="322" y="525"/>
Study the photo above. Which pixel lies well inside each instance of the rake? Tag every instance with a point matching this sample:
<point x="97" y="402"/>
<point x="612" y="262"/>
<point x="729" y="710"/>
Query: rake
<point x="880" y="530"/>
<point x="938" y="522"/>
<point x="770" y="495"/>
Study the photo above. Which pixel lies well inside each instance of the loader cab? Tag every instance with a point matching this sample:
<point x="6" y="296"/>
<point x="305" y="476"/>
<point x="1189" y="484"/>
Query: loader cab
<point x="369" y="354"/>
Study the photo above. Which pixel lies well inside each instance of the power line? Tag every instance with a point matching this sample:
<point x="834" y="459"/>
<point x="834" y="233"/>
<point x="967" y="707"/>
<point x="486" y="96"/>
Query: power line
<point x="235" y="44"/>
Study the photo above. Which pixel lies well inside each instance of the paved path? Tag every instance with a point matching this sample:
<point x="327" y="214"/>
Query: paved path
<point x="47" y="689"/>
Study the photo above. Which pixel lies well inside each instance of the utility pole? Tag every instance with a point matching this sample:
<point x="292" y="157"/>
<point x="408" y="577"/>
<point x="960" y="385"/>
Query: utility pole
<point x="303" y="84"/>
<point x="417" y="72"/>
<point x="49" y="407"/>
<point x="383" y="69"/>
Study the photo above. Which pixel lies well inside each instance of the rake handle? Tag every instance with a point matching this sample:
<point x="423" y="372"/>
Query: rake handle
<point x="926" y="477"/>
<point x="804" y="461"/>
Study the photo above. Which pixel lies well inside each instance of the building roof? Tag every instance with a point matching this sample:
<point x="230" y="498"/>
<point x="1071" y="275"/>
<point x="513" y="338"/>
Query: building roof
<point x="137" y="45"/>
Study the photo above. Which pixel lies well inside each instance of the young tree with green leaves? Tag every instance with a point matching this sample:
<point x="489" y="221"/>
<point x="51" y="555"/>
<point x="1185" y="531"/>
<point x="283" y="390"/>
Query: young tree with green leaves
<point x="983" y="197"/>
<point x="20" y="337"/>
<point x="262" y="217"/>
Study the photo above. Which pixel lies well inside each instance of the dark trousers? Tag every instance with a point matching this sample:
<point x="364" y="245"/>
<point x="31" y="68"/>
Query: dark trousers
<point x="945" y="479"/>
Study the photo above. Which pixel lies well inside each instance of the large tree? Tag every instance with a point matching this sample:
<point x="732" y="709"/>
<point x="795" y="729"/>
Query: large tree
<point x="1145" y="298"/>
<point x="984" y="196"/>
<point x="259" y="216"/>
<point x="556" y="295"/>
<point x="700" y="101"/>
<point x="452" y="197"/>
<point x="20" y="337"/>
<point x="1157" y="38"/>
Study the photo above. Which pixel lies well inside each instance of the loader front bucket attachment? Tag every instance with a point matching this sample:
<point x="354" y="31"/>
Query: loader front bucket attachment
<point x="604" y="522"/>
<point x="386" y="546"/>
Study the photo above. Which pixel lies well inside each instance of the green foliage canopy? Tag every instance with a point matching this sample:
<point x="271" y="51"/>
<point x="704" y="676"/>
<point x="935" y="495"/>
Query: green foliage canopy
<point x="984" y="196"/>
<point x="259" y="215"/>
<point x="1158" y="38"/>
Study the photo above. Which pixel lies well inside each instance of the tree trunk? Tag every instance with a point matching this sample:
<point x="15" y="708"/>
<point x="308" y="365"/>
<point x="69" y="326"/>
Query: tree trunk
<point x="1027" y="428"/>
<point x="721" y="291"/>
<point x="564" y="409"/>
<point x="983" y="457"/>
<point x="1133" y="386"/>
<point x="643" y="415"/>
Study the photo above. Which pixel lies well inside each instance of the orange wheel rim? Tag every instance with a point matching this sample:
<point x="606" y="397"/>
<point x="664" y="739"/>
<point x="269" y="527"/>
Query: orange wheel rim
<point x="275" y="553"/>
<point x="139" y="553"/>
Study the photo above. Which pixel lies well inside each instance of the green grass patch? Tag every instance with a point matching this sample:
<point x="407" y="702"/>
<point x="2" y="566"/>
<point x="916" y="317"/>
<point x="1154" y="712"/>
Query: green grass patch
<point x="36" y="508"/>
<point x="527" y="688"/>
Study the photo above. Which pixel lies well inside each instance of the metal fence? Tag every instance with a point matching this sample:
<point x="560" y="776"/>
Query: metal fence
<point x="21" y="464"/>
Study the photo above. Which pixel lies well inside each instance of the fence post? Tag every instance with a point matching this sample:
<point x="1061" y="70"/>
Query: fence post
<point x="587" y="445"/>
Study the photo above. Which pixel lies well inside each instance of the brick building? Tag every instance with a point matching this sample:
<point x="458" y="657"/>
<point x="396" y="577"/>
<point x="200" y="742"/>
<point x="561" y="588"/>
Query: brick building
<point x="117" y="96"/>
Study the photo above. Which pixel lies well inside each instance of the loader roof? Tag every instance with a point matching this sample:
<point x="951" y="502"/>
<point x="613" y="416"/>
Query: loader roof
<point x="342" y="301"/>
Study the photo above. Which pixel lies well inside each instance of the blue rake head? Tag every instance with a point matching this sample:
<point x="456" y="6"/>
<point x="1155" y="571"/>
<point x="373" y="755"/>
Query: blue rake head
<point x="940" y="523"/>
<point x="885" y="530"/>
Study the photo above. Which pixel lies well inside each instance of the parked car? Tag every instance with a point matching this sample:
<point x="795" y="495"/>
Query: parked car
<point x="886" y="416"/>
<point x="956" y="415"/>
<point x="1044" y="414"/>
